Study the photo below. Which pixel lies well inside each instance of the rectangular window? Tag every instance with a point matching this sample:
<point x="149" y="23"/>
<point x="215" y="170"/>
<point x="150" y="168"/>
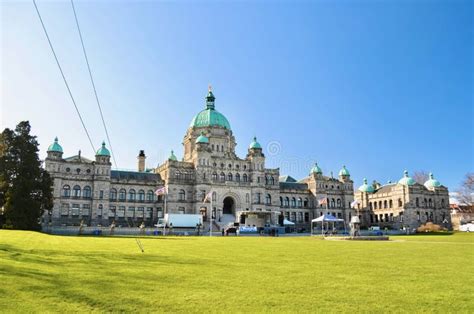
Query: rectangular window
<point x="181" y="210"/>
<point x="140" y="212"/>
<point x="159" y="212"/>
<point x="131" y="211"/>
<point x="112" y="210"/>
<point x="148" y="212"/>
<point x="121" y="211"/>
<point x="101" y="194"/>
<point x="64" y="209"/>
<point x="306" y="217"/>
<point x="86" y="210"/>
<point x="75" y="210"/>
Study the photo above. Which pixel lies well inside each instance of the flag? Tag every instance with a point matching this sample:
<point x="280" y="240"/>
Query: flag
<point x="323" y="201"/>
<point x="208" y="197"/>
<point x="161" y="191"/>
<point x="354" y="203"/>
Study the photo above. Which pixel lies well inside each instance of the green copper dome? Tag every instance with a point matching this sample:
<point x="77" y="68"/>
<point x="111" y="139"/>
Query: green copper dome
<point x="316" y="169"/>
<point x="344" y="171"/>
<point x="366" y="188"/>
<point x="103" y="151"/>
<point x="210" y="116"/>
<point x="255" y="144"/>
<point x="432" y="182"/>
<point x="172" y="157"/>
<point x="406" y="180"/>
<point x="55" y="147"/>
<point x="202" y="139"/>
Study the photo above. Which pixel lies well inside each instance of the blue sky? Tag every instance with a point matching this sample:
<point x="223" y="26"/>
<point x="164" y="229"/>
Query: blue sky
<point x="380" y="86"/>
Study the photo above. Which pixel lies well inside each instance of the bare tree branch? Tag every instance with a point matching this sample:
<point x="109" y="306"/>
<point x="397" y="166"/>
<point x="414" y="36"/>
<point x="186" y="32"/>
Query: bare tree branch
<point x="420" y="176"/>
<point x="466" y="191"/>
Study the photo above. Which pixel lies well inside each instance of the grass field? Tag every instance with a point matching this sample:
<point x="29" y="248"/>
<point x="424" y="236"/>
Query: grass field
<point x="41" y="273"/>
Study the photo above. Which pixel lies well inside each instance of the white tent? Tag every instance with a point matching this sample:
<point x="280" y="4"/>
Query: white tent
<point x="288" y="223"/>
<point x="326" y="218"/>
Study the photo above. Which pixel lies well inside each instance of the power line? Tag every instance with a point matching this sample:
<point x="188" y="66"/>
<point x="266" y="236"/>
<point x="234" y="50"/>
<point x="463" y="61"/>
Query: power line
<point x="64" y="77"/>
<point x="93" y="84"/>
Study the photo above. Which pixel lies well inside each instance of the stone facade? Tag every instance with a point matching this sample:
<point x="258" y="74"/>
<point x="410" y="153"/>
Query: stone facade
<point x="241" y="189"/>
<point x="405" y="204"/>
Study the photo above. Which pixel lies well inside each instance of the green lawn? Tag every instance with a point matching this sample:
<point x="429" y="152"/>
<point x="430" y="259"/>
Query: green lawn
<point x="41" y="273"/>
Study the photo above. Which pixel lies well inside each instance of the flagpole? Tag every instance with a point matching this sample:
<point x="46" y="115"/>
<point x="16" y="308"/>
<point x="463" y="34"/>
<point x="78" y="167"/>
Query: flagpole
<point x="164" y="213"/>
<point x="210" y="220"/>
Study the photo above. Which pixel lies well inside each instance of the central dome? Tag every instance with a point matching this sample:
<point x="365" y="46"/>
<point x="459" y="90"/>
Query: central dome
<point x="210" y="116"/>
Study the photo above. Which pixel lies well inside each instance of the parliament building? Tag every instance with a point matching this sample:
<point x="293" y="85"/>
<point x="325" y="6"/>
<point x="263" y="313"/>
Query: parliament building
<point x="243" y="190"/>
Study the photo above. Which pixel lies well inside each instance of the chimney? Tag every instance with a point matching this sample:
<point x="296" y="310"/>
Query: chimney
<point x="141" y="161"/>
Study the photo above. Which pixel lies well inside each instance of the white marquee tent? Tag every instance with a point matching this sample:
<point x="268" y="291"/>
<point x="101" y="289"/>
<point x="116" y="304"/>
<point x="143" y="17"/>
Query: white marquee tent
<point x="326" y="218"/>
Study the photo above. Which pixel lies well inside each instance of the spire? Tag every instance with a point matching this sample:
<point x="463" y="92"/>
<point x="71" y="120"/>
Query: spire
<point x="210" y="99"/>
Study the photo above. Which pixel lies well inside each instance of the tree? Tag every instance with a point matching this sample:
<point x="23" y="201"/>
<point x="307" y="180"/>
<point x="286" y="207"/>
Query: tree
<point x="25" y="187"/>
<point x="466" y="191"/>
<point x="420" y="176"/>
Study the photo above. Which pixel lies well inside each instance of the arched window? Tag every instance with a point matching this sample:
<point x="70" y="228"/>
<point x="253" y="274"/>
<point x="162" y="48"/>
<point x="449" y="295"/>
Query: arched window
<point x="141" y="195"/>
<point x="306" y="203"/>
<point x="217" y="147"/>
<point x="338" y="202"/>
<point x="266" y="180"/>
<point x="293" y="202"/>
<point x="222" y="176"/>
<point x="247" y="198"/>
<point x="272" y="181"/>
<point x="150" y="196"/>
<point x="380" y="204"/>
<point x="417" y="202"/>
<point x="214" y="176"/>
<point x="113" y="194"/>
<point x="390" y="204"/>
<point x="182" y="195"/>
<point x="178" y="175"/>
<point x="268" y="199"/>
<point x="87" y="192"/>
<point x="281" y="201"/>
<point x="287" y="201"/>
<point x="333" y="203"/>
<point x="375" y="205"/>
<point x="370" y="205"/>
<point x="425" y="204"/>
<point x="237" y="177"/>
<point x="76" y="191"/>
<point x="66" y="191"/>
<point x="385" y="204"/>
<point x="122" y="194"/>
<point x="229" y="176"/>
<point x="244" y="177"/>
<point x="400" y="203"/>
<point x="442" y="204"/>
<point x="132" y="195"/>
<point x="300" y="202"/>
<point x="430" y="203"/>
<point x="214" y="196"/>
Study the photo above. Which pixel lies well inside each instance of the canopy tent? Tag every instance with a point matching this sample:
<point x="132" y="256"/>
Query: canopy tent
<point x="288" y="223"/>
<point x="326" y="218"/>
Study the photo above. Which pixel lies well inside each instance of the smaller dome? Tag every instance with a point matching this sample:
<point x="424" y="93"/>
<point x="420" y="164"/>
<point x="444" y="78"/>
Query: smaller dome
<point x="103" y="151"/>
<point x="172" y="157"/>
<point x="432" y="182"/>
<point x="55" y="147"/>
<point x="406" y="180"/>
<point x="316" y="169"/>
<point x="344" y="172"/>
<point x="255" y="144"/>
<point x="202" y="139"/>
<point x="366" y="188"/>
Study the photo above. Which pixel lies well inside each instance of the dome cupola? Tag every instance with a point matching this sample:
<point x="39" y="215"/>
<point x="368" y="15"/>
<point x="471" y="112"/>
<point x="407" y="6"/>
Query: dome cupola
<point x="432" y="182"/>
<point x="210" y="116"/>
<point x="103" y="151"/>
<point x="344" y="172"/>
<point x="255" y="144"/>
<point x="366" y="188"/>
<point x="55" y="147"/>
<point x="316" y="169"/>
<point x="172" y="157"/>
<point x="202" y="139"/>
<point x="406" y="180"/>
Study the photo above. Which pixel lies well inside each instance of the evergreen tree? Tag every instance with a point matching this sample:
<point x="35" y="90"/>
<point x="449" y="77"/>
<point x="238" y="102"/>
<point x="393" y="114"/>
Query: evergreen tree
<point x="25" y="187"/>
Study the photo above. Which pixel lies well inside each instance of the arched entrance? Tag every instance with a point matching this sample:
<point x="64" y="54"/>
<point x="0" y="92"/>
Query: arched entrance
<point x="229" y="206"/>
